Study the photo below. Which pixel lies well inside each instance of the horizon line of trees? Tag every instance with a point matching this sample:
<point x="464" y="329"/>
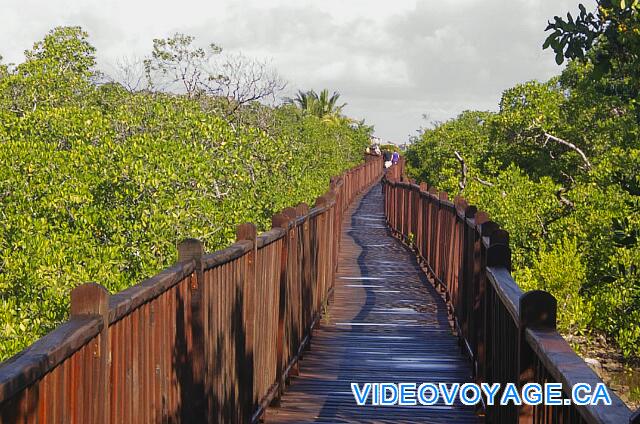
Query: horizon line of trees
<point x="177" y="65"/>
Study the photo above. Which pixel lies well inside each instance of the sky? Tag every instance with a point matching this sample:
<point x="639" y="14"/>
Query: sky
<point x="400" y="65"/>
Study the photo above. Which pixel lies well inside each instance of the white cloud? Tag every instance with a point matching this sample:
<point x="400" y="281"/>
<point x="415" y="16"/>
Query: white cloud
<point x="391" y="61"/>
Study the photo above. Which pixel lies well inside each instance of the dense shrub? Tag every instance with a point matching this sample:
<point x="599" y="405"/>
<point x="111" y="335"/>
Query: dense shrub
<point x="99" y="184"/>
<point x="558" y="167"/>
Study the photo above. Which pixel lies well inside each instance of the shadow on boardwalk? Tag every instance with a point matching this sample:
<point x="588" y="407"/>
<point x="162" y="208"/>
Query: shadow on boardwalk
<point x="386" y="323"/>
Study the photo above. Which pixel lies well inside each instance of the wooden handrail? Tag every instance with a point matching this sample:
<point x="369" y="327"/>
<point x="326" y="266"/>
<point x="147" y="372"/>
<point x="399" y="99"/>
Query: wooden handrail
<point x="509" y="335"/>
<point x="507" y="289"/>
<point x="24" y="369"/>
<point x="212" y="338"/>
<point x="123" y="303"/>
<point x="564" y="366"/>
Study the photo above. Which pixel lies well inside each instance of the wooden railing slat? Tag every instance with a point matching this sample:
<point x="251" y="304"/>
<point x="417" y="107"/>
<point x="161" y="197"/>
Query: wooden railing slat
<point x="509" y="335"/>
<point x="215" y="335"/>
<point x="48" y="352"/>
<point x="566" y="367"/>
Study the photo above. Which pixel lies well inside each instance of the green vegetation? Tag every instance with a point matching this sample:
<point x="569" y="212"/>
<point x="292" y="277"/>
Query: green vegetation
<point x="389" y="147"/>
<point x="558" y="166"/>
<point x="99" y="183"/>
<point x="320" y="105"/>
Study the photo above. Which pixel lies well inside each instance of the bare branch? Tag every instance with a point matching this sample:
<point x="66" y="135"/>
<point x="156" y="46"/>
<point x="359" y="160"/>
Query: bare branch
<point x="129" y="73"/>
<point x="535" y="131"/>
<point x="488" y="184"/>
<point x="542" y="225"/>
<point x="219" y="195"/>
<point x="569" y="145"/>
<point x="176" y="62"/>
<point x="566" y="202"/>
<point x="463" y="171"/>
<point x="242" y="79"/>
<point x="483" y="182"/>
<point x="569" y="177"/>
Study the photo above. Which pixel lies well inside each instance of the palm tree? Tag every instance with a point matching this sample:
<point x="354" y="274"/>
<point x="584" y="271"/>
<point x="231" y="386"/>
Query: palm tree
<point x="323" y="106"/>
<point x="329" y="105"/>
<point x="305" y="100"/>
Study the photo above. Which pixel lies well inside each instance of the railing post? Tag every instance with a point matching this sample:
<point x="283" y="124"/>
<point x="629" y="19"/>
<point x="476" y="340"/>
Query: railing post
<point x="294" y="282"/>
<point x="281" y="221"/>
<point x="248" y="232"/>
<point x="323" y="252"/>
<point x="497" y="254"/>
<point x="467" y="271"/>
<point x="393" y="202"/>
<point x="410" y="211"/>
<point x="416" y="212"/>
<point x="481" y="334"/>
<point x="91" y="299"/>
<point x="401" y="208"/>
<point x="405" y="211"/>
<point x="460" y="223"/>
<point x="422" y="212"/>
<point x="398" y="207"/>
<point x="433" y="221"/>
<point x="333" y="239"/>
<point x="196" y="406"/>
<point x="441" y="244"/>
<point x="538" y="310"/>
<point x="312" y="256"/>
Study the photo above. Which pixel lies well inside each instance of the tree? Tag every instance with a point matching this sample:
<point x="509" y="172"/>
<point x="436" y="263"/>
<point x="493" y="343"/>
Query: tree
<point x="531" y="132"/>
<point x="322" y="105"/>
<point x="243" y="79"/>
<point x="452" y="152"/>
<point x="556" y="166"/>
<point x="176" y="64"/>
<point x="63" y="50"/>
<point x="98" y="183"/>
<point x="130" y="73"/>
<point x="608" y="38"/>
<point x="58" y="69"/>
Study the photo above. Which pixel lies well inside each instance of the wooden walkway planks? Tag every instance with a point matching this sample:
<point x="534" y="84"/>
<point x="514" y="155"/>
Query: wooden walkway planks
<point x="386" y="323"/>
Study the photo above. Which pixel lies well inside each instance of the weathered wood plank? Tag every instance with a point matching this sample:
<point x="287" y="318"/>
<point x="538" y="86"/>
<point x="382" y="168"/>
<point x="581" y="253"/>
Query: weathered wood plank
<point x="386" y="323"/>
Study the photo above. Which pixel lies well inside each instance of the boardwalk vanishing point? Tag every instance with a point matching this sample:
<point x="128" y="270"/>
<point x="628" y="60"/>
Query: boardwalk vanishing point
<point x="385" y="323"/>
<point x="379" y="281"/>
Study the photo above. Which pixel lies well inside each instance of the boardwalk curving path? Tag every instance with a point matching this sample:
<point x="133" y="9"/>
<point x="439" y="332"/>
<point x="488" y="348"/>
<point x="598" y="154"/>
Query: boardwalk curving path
<point x="386" y="323"/>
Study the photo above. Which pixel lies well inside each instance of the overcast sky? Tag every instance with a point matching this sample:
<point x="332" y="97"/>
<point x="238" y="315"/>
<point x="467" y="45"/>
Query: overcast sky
<point x="392" y="61"/>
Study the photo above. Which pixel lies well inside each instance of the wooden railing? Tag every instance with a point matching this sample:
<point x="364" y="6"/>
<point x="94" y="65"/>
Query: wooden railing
<point x="509" y="335"/>
<point x="211" y="339"/>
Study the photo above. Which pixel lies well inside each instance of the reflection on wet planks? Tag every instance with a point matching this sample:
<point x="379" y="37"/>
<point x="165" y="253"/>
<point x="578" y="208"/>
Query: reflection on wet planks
<point x="386" y="323"/>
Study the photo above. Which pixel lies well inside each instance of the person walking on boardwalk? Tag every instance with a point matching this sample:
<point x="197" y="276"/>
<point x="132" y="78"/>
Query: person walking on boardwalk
<point x="395" y="157"/>
<point x="387" y="159"/>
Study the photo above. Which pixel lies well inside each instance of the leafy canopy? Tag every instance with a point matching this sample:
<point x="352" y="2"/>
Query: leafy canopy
<point x="558" y="167"/>
<point x="99" y="183"/>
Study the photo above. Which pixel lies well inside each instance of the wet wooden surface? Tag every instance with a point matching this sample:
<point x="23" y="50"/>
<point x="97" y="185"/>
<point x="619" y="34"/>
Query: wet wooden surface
<point x="386" y="323"/>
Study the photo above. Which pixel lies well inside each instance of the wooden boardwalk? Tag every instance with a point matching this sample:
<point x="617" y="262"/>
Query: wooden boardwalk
<point x="386" y="323"/>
